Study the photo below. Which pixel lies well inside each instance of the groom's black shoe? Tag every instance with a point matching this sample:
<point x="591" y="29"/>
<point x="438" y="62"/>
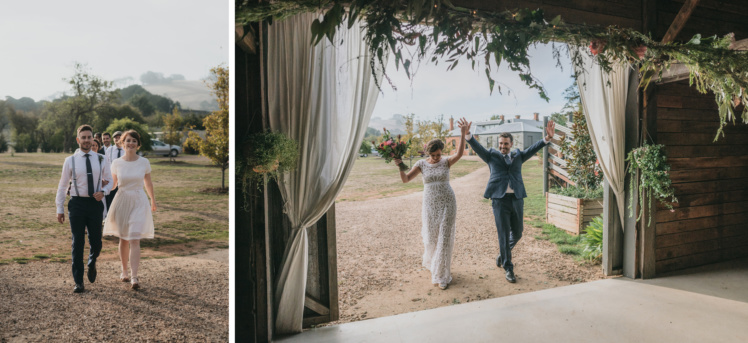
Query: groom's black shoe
<point x="78" y="288"/>
<point x="498" y="261"/>
<point x="92" y="272"/>
<point x="510" y="276"/>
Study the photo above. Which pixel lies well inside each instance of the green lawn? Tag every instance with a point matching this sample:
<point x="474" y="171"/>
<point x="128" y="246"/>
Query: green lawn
<point x="188" y="219"/>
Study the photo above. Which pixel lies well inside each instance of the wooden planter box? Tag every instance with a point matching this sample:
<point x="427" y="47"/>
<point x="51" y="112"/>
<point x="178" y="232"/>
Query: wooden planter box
<point x="571" y="214"/>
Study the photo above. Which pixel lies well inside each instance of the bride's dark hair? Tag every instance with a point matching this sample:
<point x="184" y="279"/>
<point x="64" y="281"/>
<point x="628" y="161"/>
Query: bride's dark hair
<point x="434" y="145"/>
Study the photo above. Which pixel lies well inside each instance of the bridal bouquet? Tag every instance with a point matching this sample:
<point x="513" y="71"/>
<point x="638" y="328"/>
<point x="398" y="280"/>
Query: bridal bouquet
<point x="392" y="148"/>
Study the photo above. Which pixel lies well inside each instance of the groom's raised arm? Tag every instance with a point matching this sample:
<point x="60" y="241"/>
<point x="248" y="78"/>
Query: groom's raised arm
<point x="479" y="149"/>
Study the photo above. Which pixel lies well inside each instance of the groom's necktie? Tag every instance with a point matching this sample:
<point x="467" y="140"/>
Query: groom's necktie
<point x="507" y="159"/>
<point x="89" y="174"/>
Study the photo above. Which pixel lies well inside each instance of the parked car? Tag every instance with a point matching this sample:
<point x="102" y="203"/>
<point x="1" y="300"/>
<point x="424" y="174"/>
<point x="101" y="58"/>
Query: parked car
<point x="161" y="148"/>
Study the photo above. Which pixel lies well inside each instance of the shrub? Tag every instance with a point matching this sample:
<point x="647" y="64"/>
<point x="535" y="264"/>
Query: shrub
<point x="592" y="240"/>
<point x="578" y="192"/>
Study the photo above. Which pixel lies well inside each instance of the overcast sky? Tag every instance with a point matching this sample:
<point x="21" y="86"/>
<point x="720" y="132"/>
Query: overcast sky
<point x="41" y="40"/>
<point x="464" y="92"/>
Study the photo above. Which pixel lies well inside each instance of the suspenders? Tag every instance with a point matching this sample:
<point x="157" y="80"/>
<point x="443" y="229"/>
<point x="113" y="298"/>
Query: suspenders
<point x="75" y="180"/>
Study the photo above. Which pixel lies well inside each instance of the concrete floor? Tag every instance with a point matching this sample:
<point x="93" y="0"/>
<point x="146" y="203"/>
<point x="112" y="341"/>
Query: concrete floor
<point x="705" y="304"/>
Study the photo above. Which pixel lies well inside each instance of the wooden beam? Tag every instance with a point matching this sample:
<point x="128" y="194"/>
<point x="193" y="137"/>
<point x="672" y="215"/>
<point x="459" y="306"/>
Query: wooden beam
<point x="245" y="40"/>
<point x="679" y="71"/>
<point x="315" y="306"/>
<point x="680" y="20"/>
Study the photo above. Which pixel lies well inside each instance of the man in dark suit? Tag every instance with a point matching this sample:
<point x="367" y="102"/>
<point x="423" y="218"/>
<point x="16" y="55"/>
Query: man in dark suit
<point x="507" y="190"/>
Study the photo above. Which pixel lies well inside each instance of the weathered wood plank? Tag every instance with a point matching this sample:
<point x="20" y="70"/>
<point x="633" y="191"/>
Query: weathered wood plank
<point x="562" y="200"/>
<point x="562" y="208"/>
<point x="664" y="241"/>
<point x="602" y="13"/>
<point x="690" y="126"/>
<point x="572" y="218"/>
<point x="701" y="223"/>
<point x="715" y="186"/>
<point x="687" y="114"/>
<point x="707" y="174"/>
<point x="694" y="260"/>
<point x="689" y="151"/>
<point x="315" y="305"/>
<point x="670" y="101"/>
<point x="713" y="198"/>
<point x="707" y="162"/>
<point x="669" y="138"/>
<point x="701" y="211"/>
<point x="701" y="247"/>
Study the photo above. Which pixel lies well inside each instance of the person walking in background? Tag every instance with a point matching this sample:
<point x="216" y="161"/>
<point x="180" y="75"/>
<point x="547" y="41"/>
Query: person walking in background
<point x="91" y="178"/>
<point x="507" y="191"/>
<point x="439" y="211"/>
<point x="106" y="138"/>
<point x="131" y="217"/>
<point x="114" y="152"/>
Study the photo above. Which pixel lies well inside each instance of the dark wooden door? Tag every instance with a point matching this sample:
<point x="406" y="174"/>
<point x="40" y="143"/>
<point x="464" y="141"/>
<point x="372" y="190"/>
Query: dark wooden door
<point x="321" y="302"/>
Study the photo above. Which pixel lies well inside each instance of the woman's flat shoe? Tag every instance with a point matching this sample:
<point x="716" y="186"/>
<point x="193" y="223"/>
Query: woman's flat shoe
<point x="134" y="284"/>
<point x="443" y="285"/>
<point x="124" y="278"/>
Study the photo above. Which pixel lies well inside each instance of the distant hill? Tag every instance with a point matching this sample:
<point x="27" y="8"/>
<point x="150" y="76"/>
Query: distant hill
<point x="190" y="94"/>
<point x="395" y="125"/>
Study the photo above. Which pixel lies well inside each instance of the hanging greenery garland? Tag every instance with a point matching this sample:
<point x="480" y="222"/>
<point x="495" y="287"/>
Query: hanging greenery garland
<point x="265" y="154"/>
<point x="436" y="30"/>
<point x="653" y="179"/>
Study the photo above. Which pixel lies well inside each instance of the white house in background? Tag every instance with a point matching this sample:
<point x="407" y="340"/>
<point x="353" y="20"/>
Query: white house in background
<point x="525" y="132"/>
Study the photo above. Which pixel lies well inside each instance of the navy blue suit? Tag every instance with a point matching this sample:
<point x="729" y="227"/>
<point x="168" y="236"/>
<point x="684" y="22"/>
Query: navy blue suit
<point x="507" y="207"/>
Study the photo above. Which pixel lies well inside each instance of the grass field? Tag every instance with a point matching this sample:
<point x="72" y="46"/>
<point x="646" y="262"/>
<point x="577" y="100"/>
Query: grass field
<point x="189" y="219"/>
<point x="372" y="178"/>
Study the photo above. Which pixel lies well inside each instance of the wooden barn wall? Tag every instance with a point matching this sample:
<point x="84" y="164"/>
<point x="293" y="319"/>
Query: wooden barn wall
<point x="710" y="17"/>
<point x="710" y="181"/>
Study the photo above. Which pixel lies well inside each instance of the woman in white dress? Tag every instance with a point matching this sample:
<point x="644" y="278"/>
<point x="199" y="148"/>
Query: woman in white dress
<point x="131" y="217"/>
<point x="439" y="211"/>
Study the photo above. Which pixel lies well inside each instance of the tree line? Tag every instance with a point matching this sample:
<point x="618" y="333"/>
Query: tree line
<point x="49" y="126"/>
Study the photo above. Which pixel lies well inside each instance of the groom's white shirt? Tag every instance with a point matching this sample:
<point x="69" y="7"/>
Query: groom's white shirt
<point x="81" y="182"/>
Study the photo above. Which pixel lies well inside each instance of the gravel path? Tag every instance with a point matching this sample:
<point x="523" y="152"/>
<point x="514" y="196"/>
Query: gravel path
<point x="380" y="248"/>
<point x="182" y="299"/>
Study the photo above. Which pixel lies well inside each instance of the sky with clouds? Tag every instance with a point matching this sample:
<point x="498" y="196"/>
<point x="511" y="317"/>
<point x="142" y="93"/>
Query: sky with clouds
<point x="463" y="92"/>
<point x="118" y="40"/>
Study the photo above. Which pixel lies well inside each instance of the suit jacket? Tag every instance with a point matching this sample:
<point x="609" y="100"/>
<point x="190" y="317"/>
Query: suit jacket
<point x="503" y="174"/>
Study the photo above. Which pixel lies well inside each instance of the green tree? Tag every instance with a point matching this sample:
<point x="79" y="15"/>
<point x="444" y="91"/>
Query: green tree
<point x="23" y="131"/>
<point x="215" y="145"/>
<point x="125" y="124"/>
<point x="365" y="147"/>
<point x="89" y="94"/>
<point x="497" y="117"/>
<point x="580" y="155"/>
<point x="142" y="103"/>
<point x="410" y="134"/>
<point x="171" y="129"/>
<point x="110" y="112"/>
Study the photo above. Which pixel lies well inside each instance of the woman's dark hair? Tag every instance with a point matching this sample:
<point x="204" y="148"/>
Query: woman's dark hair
<point x="133" y="134"/>
<point x="99" y="143"/>
<point x="434" y="145"/>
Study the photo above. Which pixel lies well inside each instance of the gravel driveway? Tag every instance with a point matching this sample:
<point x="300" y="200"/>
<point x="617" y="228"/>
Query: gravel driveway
<point x="182" y="299"/>
<point x="379" y="256"/>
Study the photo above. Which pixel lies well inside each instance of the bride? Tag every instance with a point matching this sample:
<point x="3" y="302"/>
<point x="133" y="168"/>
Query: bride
<point x="439" y="210"/>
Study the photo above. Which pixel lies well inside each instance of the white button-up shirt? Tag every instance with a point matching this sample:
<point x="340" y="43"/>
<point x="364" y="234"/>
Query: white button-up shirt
<point x="100" y="169"/>
<point x="111" y="153"/>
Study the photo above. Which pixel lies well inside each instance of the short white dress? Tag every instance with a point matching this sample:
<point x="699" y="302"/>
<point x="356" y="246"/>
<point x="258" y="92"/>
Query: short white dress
<point x="130" y="216"/>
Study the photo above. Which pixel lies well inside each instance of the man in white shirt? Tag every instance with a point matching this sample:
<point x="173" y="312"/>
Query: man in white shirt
<point x="88" y="170"/>
<point x="114" y="152"/>
<point x="106" y="140"/>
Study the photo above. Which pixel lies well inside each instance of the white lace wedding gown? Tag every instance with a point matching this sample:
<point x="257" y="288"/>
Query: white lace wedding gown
<point x="438" y="215"/>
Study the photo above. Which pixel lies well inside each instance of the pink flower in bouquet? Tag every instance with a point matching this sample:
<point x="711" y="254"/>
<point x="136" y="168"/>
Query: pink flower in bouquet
<point x="387" y="143"/>
<point x="640" y="51"/>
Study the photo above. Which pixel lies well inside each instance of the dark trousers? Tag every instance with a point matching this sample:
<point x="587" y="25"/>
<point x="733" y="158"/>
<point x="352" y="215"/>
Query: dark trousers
<point x="85" y="213"/>
<point x="109" y="198"/>
<point x="507" y="212"/>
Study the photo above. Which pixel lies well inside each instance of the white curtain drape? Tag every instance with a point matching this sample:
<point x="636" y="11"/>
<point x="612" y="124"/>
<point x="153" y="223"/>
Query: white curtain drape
<point x="604" y="103"/>
<point x="321" y="96"/>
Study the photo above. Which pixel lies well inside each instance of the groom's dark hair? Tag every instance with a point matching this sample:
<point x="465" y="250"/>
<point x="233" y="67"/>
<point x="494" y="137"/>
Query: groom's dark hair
<point x="507" y="135"/>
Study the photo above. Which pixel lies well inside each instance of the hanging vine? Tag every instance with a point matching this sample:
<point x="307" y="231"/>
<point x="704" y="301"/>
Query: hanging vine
<point x="653" y="178"/>
<point x="438" y="31"/>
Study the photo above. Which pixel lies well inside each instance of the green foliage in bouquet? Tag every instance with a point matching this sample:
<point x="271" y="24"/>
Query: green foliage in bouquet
<point x="392" y="147"/>
<point x="654" y="179"/>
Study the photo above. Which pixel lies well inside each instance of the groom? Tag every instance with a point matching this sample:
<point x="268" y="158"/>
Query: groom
<point x="87" y="169"/>
<point x="507" y="191"/>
